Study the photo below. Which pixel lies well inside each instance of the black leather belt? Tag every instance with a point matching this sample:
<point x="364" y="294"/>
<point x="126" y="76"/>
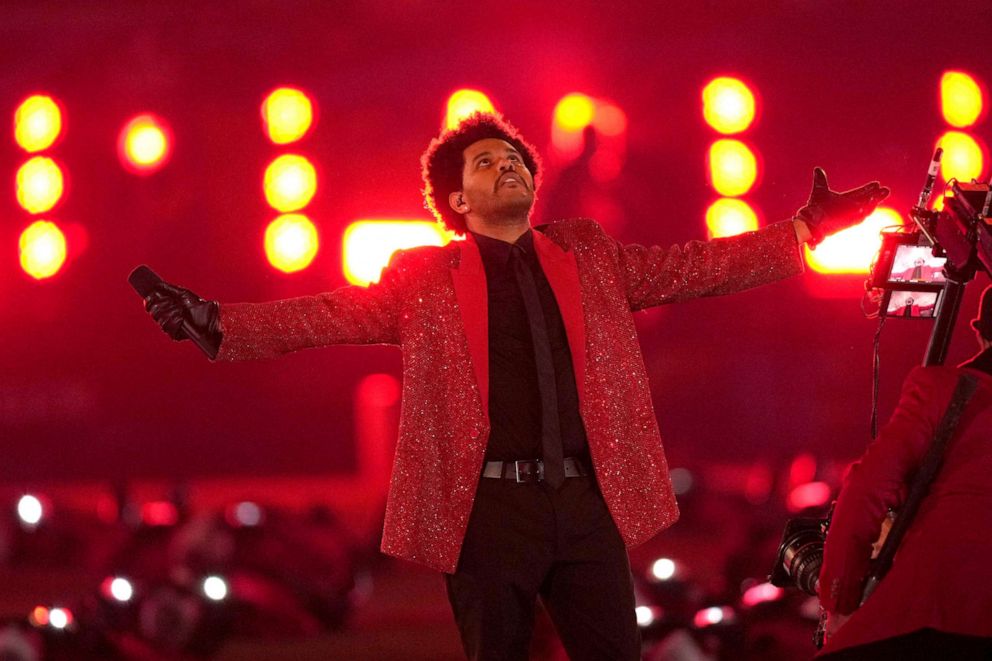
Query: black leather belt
<point x="529" y="470"/>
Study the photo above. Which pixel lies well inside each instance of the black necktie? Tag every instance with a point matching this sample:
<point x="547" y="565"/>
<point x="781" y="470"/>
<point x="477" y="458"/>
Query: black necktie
<point x="554" y="467"/>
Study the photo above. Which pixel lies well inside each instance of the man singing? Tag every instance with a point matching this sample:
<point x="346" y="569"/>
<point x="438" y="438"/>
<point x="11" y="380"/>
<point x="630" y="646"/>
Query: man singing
<point x="528" y="455"/>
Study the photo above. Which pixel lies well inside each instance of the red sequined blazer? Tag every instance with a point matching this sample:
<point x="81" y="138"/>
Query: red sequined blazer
<point x="432" y="302"/>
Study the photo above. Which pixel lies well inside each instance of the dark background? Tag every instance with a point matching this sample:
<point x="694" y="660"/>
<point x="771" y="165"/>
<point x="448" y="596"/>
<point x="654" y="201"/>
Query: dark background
<point x="90" y="389"/>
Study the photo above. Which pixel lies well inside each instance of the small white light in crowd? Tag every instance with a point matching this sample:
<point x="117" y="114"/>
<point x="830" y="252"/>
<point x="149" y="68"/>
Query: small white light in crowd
<point x="645" y="616"/>
<point x="713" y="615"/>
<point x="121" y="589"/>
<point x="247" y="514"/>
<point x="663" y="569"/>
<point x="59" y="618"/>
<point x="215" y="588"/>
<point x="29" y="509"/>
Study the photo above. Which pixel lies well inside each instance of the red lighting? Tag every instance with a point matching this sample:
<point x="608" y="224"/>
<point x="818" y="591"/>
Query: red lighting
<point x="144" y="144"/>
<point x="159" y="513"/>
<point x="369" y="244"/>
<point x="811" y="494"/>
<point x="729" y="217"/>
<point x="761" y="593"/>
<point x="609" y="119"/>
<point x="707" y="617"/>
<point x="852" y="250"/>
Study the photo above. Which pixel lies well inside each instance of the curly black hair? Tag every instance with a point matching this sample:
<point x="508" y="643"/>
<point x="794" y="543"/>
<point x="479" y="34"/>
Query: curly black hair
<point x="443" y="162"/>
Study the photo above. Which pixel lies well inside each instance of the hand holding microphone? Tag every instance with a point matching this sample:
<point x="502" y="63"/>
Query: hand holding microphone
<point x="182" y="314"/>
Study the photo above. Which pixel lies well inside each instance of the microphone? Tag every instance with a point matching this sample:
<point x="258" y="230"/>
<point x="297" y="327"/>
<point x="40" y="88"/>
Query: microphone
<point x="931" y="178"/>
<point x="144" y="280"/>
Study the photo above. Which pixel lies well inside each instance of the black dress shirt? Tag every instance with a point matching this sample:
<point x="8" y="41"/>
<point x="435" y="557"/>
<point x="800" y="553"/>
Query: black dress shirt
<point x="514" y="395"/>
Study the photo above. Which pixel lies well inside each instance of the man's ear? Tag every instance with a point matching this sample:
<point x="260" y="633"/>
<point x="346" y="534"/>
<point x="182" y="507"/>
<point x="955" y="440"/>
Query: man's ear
<point x="457" y="202"/>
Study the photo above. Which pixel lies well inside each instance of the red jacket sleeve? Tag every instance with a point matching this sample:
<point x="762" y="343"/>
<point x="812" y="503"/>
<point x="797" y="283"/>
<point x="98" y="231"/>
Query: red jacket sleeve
<point x="878" y="482"/>
<point x="654" y="276"/>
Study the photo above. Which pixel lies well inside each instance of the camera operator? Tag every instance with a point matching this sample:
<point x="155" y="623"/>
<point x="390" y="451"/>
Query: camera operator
<point x="936" y="601"/>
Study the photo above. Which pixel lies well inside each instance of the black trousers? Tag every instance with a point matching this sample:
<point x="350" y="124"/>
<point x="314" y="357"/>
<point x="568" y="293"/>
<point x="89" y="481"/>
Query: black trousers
<point x="525" y="541"/>
<point x="922" y="645"/>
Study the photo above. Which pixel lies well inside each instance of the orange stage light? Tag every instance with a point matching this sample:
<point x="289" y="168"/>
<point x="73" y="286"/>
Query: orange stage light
<point x="964" y="156"/>
<point x="729" y="217"/>
<point x="39" y="184"/>
<point x="37" y="123"/>
<point x="42" y="249"/>
<point x="574" y="112"/>
<point x="728" y="105"/>
<point x="369" y="244"/>
<point x="609" y="119"/>
<point x="961" y="99"/>
<point x="291" y="242"/>
<point x="287" y="114"/>
<point x="852" y="250"/>
<point x="290" y="182"/>
<point x="733" y="168"/>
<point x="464" y="103"/>
<point x="144" y="144"/>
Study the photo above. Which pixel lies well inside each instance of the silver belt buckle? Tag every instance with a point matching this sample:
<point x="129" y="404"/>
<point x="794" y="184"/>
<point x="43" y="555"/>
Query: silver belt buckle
<point x="540" y="469"/>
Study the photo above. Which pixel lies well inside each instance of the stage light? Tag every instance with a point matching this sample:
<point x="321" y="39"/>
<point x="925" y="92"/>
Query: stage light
<point x="287" y="114"/>
<point x="708" y="617"/>
<point x="645" y="616"/>
<point x="159" y="513"/>
<point x="609" y="119"/>
<point x="37" y="123"/>
<point x="290" y="182"/>
<point x="663" y="569"/>
<point x="733" y="167"/>
<point x="245" y="514"/>
<point x="464" y="103"/>
<point x="728" y="105"/>
<point x="852" y="250"/>
<point x="39" y="616"/>
<point x="215" y="588"/>
<point x="60" y="618"/>
<point x="42" y="249"/>
<point x="761" y="593"/>
<point x="369" y="244"/>
<point x="574" y="112"/>
<point x="30" y="510"/>
<point x="729" y="217"/>
<point x="291" y="242"/>
<point x="961" y="99"/>
<point x="811" y="494"/>
<point x="144" y="144"/>
<point x="964" y="157"/>
<point x="39" y="184"/>
<point x="682" y="480"/>
<point x="117" y="588"/>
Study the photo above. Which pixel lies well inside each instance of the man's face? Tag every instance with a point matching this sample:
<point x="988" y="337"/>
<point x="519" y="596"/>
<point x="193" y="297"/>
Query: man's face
<point x="495" y="182"/>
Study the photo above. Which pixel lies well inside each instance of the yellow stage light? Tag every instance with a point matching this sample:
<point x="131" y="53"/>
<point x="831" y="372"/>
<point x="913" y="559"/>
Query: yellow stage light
<point x="290" y="182"/>
<point x="961" y="99"/>
<point x="575" y="112"/>
<point x="732" y="166"/>
<point x="964" y="157"/>
<point x="287" y="114"/>
<point x="37" y="123"/>
<point x="144" y="144"/>
<point x="42" y="249"/>
<point x="464" y="103"/>
<point x="729" y="217"/>
<point x="291" y="242"/>
<point x="728" y="105"/>
<point x="39" y="184"/>
<point x="369" y="244"/>
<point x="852" y="250"/>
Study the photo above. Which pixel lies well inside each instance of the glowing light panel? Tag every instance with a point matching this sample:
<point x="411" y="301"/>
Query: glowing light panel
<point x="961" y="99"/>
<point x="42" y="249"/>
<point x="733" y="168"/>
<point x="369" y="245"/>
<point x="215" y="588"/>
<point x="852" y="250"/>
<point x="29" y="510"/>
<point x="290" y="182"/>
<point x="118" y="588"/>
<point x="729" y="217"/>
<point x="645" y="616"/>
<point x="574" y="112"/>
<point x="291" y="242"/>
<point x="37" y="123"/>
<point x="663" y="569"/>
<point x="287" y="114"/>
<point x="728" y="105"/>
<point x="39" y="184"/>
<point x="59" y="618"/>
<point x="964" y="157"/>
<point x="144" y="144"/>
<point x="466" y="102"/>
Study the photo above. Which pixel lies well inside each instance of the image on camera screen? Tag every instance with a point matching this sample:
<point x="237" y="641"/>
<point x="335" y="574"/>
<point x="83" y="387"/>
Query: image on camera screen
<point x="912" y="304"/>
<point x="916" y="264"/>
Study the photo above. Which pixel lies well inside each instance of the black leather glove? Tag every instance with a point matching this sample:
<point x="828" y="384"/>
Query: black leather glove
<point x="170" y="306"/>
<point x="828" y="211"/>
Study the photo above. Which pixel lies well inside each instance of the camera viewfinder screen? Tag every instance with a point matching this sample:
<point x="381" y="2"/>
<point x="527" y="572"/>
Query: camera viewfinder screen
<point x="916" y="264"/>
<point x="912" y="304"/>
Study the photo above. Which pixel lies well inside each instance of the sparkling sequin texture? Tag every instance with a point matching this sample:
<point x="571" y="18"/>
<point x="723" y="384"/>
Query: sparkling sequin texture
<point x="431" y="302"/>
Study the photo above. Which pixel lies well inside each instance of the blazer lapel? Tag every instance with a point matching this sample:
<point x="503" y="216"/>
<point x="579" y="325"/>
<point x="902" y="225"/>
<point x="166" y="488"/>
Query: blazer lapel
<point x="562" y="273"/>
<point x="469" y="279"/>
